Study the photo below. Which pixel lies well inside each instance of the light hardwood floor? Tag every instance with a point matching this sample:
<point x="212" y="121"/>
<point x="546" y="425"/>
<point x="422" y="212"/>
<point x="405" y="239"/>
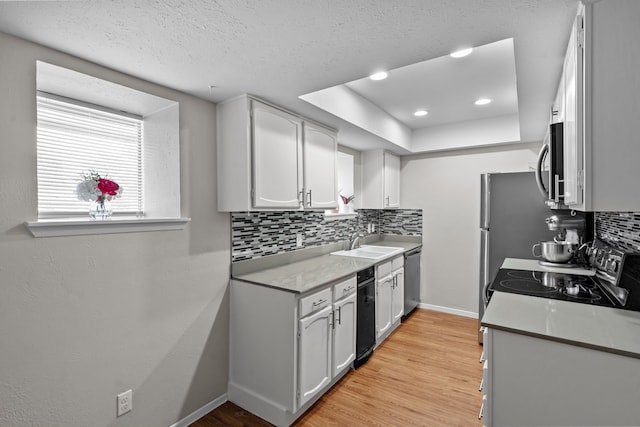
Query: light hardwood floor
<point x="426" y="373"/>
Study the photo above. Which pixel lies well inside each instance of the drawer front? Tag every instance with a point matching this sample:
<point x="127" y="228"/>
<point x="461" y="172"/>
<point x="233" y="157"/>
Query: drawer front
<point x="345" y="288"/>
<point x="383" y="270"/>
<point x="397" y="263"/>
<point x="315" y="302"/>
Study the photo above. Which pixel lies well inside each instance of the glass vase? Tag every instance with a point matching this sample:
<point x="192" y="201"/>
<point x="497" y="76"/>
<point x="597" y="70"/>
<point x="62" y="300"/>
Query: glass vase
<point x="100" y="210"/>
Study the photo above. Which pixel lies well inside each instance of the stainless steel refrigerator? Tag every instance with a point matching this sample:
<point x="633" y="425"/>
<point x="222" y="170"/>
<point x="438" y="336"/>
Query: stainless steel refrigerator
<point x="512" y="219"/>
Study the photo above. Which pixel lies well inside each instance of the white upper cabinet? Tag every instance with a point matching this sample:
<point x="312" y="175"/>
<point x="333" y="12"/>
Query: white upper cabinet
<point x="269" y="158"/>
<point x="380" y="180"/>
<point x="572" y="133"/>
<point x="320" y="151"/>
<point x="391" y="197"/>
<point x="277" y="147"/>
<point x="601" y="90"/>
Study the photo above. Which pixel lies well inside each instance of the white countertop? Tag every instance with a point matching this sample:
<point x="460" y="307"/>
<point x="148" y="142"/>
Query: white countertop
<point x="534" y="265"/>
<point x="601" y="328"/>
<point x="304" y="276"/>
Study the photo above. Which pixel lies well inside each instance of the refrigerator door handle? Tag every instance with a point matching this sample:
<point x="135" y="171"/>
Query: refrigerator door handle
<point x="484" y="265"/>
<point x="484" y="200"/>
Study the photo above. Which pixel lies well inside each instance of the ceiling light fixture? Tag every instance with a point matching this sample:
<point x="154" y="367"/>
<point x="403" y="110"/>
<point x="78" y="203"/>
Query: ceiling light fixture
<point x="420" y="113"/>
<point x="461" y="53"/>
<point x="482" y="101"/>
<point x="379" y="76"/>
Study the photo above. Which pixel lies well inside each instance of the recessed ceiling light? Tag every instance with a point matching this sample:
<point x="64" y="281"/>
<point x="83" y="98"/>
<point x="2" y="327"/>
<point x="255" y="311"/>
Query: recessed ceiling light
<point x="482" y="101"/>
<point x="420" y="113"/>
<point x="379" y="76"/>
<point x="461" y="53"/>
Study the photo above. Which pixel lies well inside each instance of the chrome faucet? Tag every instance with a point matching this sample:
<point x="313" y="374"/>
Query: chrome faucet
<point x="355" y="241"/>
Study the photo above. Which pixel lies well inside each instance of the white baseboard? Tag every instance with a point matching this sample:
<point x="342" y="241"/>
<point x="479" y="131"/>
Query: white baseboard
<point x="449" y="310"/>
<point x="199" y="413"/>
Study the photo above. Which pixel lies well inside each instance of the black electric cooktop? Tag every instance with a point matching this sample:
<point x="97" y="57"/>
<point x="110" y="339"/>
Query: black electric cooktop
<point x="560" y="286"/>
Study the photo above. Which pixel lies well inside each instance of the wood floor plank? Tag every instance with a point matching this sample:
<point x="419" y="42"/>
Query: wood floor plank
<point x="426" y="373"/>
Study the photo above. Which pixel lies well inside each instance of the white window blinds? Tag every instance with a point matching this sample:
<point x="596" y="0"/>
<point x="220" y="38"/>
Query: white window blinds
<point x="74" y="138"/>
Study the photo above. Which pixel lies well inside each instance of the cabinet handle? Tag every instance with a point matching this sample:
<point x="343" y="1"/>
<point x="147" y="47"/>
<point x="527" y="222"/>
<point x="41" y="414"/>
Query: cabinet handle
<point x="319" y="302"/>
<point x="340" y="315"/>
<point x="349" y="289"/>
<point x="301" y="196"/>
<point x="387" y="201"/>
<point x="481" y="414"/>
<point x="309" y="201"/>
<point x="482" y="359"/>
<point x="481" y="384"/>
<point x="557" y="187"/>
<point x="332" y="320"/>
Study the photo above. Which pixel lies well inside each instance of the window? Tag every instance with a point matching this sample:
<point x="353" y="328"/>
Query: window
<point x="83" y="127"/>
<point x="74" y="137"/>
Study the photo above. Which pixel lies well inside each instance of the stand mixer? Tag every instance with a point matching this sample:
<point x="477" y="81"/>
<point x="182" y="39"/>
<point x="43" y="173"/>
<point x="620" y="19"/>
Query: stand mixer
<point x="564" y="250"/>
<point x="570" y="228"/>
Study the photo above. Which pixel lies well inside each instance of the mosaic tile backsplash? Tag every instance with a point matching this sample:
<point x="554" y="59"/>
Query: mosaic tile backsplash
<point x="257" y="234"/>
<point x="619" y="229"/>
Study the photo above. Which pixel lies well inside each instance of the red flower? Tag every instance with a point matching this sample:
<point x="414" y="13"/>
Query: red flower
<point x="106" y="186"/>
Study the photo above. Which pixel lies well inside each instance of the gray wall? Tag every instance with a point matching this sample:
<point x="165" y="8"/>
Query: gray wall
<point x="446" y="186"/>
<point x="84" y="318"/>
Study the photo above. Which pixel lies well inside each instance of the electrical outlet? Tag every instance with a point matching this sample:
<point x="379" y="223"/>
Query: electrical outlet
<point x="298" y="240"/>
<point x="125" y="402"/>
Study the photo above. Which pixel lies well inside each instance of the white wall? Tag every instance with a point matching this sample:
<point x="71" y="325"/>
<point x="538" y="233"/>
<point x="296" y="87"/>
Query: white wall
<point x="83" y="318"/>
<point x="472" y="133"/>
<point x="446" y="186"/>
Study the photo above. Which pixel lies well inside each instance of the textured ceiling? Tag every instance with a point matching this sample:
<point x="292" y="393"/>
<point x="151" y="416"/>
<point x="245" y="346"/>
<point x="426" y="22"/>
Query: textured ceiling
<point x="279" y="49"/>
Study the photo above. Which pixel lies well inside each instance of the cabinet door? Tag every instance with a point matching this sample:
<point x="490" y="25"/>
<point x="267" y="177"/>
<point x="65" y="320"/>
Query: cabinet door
<point x="320" y="148"/>
<point x="391" y="181"/>
<point x="397" y="296"/>
<point x="573" y="140"/>
<point x="383" y="305"/>
<point x="314" y="354"/>
<point x="277" y="154"/>
<point x="344" y="333"/>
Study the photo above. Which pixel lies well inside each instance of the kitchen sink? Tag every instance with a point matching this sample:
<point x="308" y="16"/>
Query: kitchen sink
<point x="370" y="252"/>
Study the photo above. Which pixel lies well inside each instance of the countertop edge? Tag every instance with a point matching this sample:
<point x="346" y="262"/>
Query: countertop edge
<point x="611" y="330"/>
<point x="561" y="340"/>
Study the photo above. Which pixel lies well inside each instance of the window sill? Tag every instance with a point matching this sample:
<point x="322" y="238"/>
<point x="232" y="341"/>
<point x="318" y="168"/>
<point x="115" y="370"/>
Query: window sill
<point x="77" y="227"/>
<point x="336" y="216"/>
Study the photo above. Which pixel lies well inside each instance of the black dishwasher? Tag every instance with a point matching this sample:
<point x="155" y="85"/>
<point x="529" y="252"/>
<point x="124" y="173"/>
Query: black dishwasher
<point x="366" y="321"/>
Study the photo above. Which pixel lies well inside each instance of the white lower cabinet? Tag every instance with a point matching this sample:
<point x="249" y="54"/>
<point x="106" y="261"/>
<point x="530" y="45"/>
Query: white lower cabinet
<point x="287" y="349"/>
<point x="397" y="295"/>
<point x="344" y="332"/>
<point x="383" y="306"/>
<point x="532" y="381"/>
<point x="389" y="297"/>
<point x="314" y="370"/>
